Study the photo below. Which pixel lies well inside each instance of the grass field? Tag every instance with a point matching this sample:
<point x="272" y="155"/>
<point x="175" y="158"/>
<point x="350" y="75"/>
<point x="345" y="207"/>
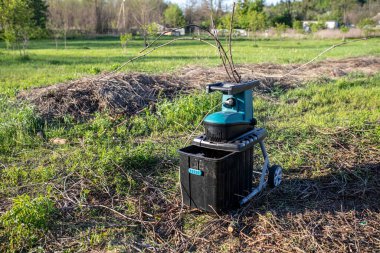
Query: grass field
<point x="113" y="186"/>
<point x="47" y="65"/>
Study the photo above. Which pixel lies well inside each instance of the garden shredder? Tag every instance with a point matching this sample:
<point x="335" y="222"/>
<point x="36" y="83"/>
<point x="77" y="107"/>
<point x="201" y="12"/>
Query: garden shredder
<point x="216" y="171"/>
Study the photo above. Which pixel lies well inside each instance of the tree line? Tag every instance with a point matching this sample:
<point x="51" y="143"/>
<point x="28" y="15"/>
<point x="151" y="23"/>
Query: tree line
<point x="24" y="19"/>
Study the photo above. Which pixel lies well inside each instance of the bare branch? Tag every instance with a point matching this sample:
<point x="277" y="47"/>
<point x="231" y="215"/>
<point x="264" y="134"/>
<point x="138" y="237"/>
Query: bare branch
<point x="230" y="69"/>
<point x="234" y="72"/>
<point x="157" y="47"/>
<point x="320" y="54"/>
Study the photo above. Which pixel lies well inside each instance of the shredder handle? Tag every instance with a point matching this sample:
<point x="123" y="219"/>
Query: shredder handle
<point x="231" y="89"/>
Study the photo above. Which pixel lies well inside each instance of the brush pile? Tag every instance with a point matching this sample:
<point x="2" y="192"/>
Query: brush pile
<point x="128" y="94"/>
<point x="117" y="94"/>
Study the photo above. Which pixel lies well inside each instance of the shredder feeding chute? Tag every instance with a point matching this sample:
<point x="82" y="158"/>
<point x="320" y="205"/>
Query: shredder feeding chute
<point x="236" y="116"/>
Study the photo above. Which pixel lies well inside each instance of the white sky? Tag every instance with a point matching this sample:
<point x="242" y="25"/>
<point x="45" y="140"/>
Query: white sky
<point x="182" y="3"/>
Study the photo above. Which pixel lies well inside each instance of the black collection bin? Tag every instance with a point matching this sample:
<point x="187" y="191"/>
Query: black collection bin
<point x="215" y="180"/>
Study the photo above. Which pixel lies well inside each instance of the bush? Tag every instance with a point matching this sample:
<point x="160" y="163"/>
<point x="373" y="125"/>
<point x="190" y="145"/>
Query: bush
<point x="280" y="28"/>
<point x="25" y="223"/>
<point x="297" y="25"/>
<point x="124" y="38"/>
<point x="366" y="23"/>
<point x="315" y="27"/>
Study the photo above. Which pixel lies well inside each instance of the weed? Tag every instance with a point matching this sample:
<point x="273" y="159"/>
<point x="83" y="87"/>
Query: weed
<point x="26" y="222"/>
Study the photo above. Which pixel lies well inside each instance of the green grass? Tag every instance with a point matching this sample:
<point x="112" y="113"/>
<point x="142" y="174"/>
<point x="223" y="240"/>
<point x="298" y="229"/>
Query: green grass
<point x="47" y="65"/>
<point x="309" y="127"/>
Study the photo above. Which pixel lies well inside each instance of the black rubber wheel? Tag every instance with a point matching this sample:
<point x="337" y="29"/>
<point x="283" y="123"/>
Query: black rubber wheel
<point x="275" y="176"/>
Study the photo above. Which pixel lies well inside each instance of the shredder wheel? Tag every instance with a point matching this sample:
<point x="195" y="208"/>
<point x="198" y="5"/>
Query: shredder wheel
<point x="275" y="176"/>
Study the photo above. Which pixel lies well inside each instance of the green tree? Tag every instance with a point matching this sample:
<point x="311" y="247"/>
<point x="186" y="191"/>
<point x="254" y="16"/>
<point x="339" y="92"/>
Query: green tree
<point x="280" y="29"/>
<point x="173" y="16"/>
<point x="250" y="15"/>
<point x="17" y="22"/>
<point x="367" y="25"/>
<point x="257" y="21"/>
<point x="124" y="38"/>
<point x="40" y="10"/>
<point x="341" y="8"/>
<point x="297" y="25"/>
<point x="366" y="22"/>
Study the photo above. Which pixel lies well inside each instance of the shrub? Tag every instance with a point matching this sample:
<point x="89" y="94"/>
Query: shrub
<point x="124" y="38"/>
<point x="26" y="222"/>
<point x="297" y="25"/>
<point x="366" y="23"/>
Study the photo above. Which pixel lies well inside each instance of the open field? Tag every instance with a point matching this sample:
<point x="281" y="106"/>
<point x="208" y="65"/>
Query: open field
<point x="109" y="181"/>
<point x="48" y="65"/>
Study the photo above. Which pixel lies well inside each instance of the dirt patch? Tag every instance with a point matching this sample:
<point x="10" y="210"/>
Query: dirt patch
<point x="127" y="94"/>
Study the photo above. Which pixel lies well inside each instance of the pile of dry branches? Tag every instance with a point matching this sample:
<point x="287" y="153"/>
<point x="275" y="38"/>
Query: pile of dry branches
<point x="125" y="94"/>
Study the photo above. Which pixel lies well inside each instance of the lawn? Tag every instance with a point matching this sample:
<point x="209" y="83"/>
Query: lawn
<point x="113" y="184"/>
<point x="47" y="65"/>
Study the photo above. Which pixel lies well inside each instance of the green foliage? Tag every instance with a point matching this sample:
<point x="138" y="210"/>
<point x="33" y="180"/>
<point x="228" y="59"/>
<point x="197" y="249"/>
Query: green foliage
<point x="250" y="15"/>
<point x="344" y="29"/>
<point x="40" y="12"/>
<point x="348" y="103"/>
<point x="26" y="222"/>
<point x="280" y="28"/>
<point x="124" y="38"/>
<point x="17" y="22"/>
<point x="297" y="25"/>
<point x="257" y="21"/>
<point x="152" y="28"/>
<point x="366" y="23"/>
<point x="315" y="27"/>
<point x="173" y="16"/>
<point x="18" y="125"/>
<point x="224" y="22"/>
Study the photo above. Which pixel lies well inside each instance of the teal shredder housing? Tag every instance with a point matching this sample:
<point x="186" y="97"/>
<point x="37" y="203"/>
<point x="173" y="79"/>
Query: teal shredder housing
<point x="240" y="113"/>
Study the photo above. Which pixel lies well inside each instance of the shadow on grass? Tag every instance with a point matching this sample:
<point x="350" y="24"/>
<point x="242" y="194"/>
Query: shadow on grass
<point x="356" y="188"/>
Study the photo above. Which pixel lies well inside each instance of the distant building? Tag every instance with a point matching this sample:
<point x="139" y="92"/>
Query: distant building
<point x="331" y="24"/>
<point x="241" y="32"/>
<point x="170" y="31"/>
<point x="236" y="32"/>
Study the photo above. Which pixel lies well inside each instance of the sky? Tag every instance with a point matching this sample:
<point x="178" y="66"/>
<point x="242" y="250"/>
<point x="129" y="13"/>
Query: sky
<point x="182" y="3"/>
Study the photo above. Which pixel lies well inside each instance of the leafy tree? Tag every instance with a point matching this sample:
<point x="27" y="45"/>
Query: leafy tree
<point x="250" y="15"/>
<point x="297" y="25"/>
<point x="173" y="16"/>
<point x="257" y="21"/>
<point x="340" y="9"/>
<point x="315" y="27"/>
<point x="367" y="26"/>
<point x="40" y="10"/>
<point x="124" y="38"/>
<point x="224" y="22"/>
<point x="149" y="30"/>
<point x="17" y="22"/>
<point x="366" y="22"/>
<point x="280" y="28"/>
